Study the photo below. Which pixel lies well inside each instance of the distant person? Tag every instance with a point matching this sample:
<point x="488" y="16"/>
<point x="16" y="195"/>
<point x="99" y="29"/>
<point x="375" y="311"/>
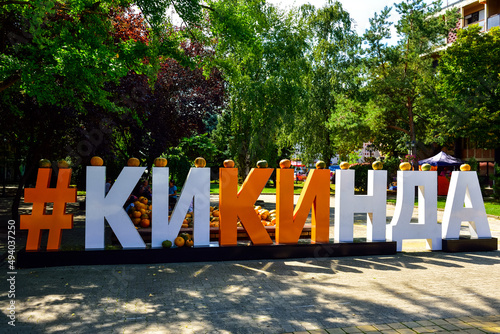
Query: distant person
<point x="172" y="195"/>
<point x="145" y="190"/>
<point x="107" y="186"/>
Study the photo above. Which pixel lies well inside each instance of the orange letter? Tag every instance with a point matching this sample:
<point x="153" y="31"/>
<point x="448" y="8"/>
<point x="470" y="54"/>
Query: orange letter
<point x="234" y="204"/>
<point x="316" y="193"/>
<point x="39" y="219"/>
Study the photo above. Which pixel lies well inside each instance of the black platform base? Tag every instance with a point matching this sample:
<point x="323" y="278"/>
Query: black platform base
<point x="202" y="254"/>
<point x="470" y="245"/>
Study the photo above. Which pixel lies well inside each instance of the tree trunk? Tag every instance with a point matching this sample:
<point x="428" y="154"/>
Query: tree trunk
<point x="30" y="168"/>
<point x="413" y="138"/>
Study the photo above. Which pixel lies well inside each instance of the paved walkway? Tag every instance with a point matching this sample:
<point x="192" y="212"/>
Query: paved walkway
<point x="411" y="292"/>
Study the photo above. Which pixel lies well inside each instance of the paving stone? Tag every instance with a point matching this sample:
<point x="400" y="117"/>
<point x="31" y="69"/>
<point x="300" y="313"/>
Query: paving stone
<point x="405" y="331"/>
<point x="397" y="325"/>
<point x="427" y="329"/>
<point x="382" y="327"/>
<point x="425" y="323"/>
<point x="335" y="331"/>
<point x="411" y="324"/>
<point x="367" y="328"/>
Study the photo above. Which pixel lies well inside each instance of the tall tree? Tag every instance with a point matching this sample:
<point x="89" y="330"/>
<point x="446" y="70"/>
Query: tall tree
<point x="61" y="62"/>
<point x="333" y="56"/>
<point x="469" y="73"/>
<point x="401" y="78"/>
<point x="260" y="51"/>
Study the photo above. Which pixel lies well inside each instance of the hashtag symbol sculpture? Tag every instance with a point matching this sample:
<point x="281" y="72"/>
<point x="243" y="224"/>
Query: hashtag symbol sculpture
<point x="39" y="219"/>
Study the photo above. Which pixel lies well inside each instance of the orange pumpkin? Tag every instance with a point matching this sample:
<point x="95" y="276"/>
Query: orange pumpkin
<point x="285" y="163"/>
<point x="145" y="223"/>
<point x="179" y="241"/>
<point x="96" y="161"/>
<point x="133" y="162"/>
<point x="228" y="163"/>
<point x="160" y="162"/>
<point x="189" y="243"/>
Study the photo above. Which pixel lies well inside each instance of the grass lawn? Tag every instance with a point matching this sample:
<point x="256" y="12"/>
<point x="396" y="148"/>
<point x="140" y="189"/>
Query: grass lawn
<point x="214" y="188"/>
<point x="492" y="207"/>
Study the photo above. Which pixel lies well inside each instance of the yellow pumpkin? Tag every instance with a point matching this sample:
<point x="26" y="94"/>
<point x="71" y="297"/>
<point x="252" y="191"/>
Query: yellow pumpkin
<point x="405" y="166"/>
<point x="44" y="163"/>
<point x="377" y="165"/>
<point x="62" y="164"/>
<point x="200" y="162"/>
<point x="320" y="164"/>
<point x="465" y="167"/>
<point x="344" y="165"/>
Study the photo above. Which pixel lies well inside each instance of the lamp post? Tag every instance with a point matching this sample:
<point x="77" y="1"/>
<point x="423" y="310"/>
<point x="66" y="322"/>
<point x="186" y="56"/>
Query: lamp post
<point x="370" y="148"/>
<point x="4" y="165"/>
<point x="411" y="145"/>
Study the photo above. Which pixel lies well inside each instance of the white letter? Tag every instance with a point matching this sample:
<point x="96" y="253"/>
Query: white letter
<point x="464" y="188"/>
<point x="373" y="204"/>
<point x="427" y="226"/>
<point x="197" y="186"/>
<point x="99" y="206"/>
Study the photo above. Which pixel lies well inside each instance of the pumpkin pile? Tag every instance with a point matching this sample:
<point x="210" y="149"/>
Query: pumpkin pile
<point x="184" y="240"/>
<point x="214" y="216"/>
<point x="267" y="218"/>
<point x="140" y="213"/>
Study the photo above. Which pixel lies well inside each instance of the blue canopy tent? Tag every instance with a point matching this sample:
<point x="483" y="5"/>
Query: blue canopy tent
<point x="441" y="159"/>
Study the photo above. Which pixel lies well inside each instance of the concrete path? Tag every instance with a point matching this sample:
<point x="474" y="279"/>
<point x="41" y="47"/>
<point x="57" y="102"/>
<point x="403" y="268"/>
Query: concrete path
<point x="415" y="291"/>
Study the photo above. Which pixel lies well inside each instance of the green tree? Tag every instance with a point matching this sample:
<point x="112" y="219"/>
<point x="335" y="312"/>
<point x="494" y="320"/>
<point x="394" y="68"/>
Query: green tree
<point x="469" y="73"/>
<point x="60" y="64"/>
<point x="328" y="124"/>
<point x="401" y="78"/>
<point x="260" y="51"/>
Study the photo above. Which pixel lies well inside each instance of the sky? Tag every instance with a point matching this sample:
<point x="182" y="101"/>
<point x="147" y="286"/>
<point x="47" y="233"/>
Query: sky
<point x="360" y="10"/>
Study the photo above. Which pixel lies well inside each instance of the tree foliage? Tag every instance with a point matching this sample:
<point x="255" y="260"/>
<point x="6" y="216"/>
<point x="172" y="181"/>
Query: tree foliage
<point x="325" y="126"/>
<point x="80" y="78"/>
<point x="469" y="73"/>
<point x="401" y="78"/>
<point x="260" y="51"/>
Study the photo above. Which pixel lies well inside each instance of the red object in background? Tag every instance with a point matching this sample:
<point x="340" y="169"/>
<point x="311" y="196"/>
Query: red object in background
<point x="443" y="185"/>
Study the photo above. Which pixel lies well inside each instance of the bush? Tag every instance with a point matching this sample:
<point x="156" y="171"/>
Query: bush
<point x="496" y="182"/>
<point x="361" y="175"/>
<point x="391" y="165"/>
<point x="474" y="165"/>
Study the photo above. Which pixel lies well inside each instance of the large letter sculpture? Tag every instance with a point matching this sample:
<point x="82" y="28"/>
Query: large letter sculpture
<point x="234" y="204"/>
<point x="464" y="189"/>
<point x="373" y="204"/>
<point x="427" y="227"/>
<point x="315" y="195"/>
<point x="110" y="207"/>
<point x="197" y="189"/>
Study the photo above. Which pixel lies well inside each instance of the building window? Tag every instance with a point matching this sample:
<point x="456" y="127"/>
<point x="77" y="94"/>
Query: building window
<point x="475" y="18"/>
